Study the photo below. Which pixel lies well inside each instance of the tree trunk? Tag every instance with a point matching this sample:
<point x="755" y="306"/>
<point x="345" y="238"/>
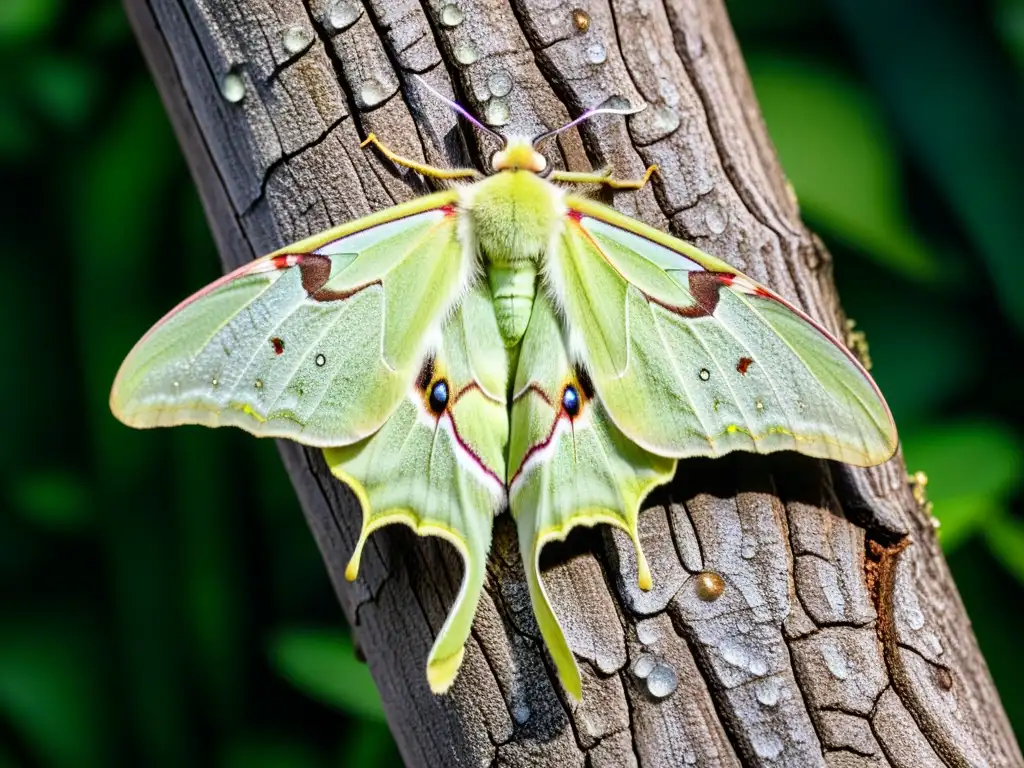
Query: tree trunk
<point x="839" y="638"/>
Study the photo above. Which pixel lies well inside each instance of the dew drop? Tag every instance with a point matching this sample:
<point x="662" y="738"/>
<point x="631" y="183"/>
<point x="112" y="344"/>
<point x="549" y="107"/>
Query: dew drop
<point x="296" y="39"/>
<point x="835" y="661"/>
<point x="735" y="654"/>
<point x="232" y="87"/>
<point x="704" y="374"/>
<point x="596" y="54"/>
<point x="768" y="692"/>
<point x="466" y="54"/>
<point x="321" y="361"/>
<point x="644" y="666"/>
<point x="499" y="83"/>
<point x="342" y="14"/>
<point x="766" y="745"/>
<point x="647" y="633"/>
<point x="662" y="681"/>
<point x="709" y="586"/>
<point x="715" y="218"/>
<point x="452" y="15"/>
<point x="748" y="549"/>
<point x="521" y="713"/>
<point x="176" y="385"/>
<point x="497" y="112"/>
<point x="914" y="616"/>
<point x="372" y="93"/>
<point x="581" y="19"/>
<point x="665" y="120"/>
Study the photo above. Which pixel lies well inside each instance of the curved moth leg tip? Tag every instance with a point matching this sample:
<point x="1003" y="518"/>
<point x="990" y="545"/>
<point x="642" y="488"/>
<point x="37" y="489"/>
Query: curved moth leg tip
<point x="643" y="571"/>
<point x="575" y="692"/>
<point x="441" y="673"/>
<point x="352" y="570"/>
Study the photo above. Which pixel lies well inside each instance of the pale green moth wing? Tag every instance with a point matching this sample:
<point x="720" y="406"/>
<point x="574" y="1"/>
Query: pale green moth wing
<point x="692" y="358"/>
<point x="316" y="342"/>
<point x="568" y="465"/>
<point x="438" y="464"/>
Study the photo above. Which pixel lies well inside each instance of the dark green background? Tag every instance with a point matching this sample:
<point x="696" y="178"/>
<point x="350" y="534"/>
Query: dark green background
<point x="162" y="601"/>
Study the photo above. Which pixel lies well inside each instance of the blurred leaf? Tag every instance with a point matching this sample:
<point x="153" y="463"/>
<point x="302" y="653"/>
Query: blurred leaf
<point x="1005" y="538"/>
<point x="972" y="467"/>
<point x="323" y="665"/>
<point x="1009" y="18"/>
<point x="914" y="337"/>
<point x="107" y="26"/>
<point x="756" y="15"/>
<point x="49" y="690"/>
<point x="369" y="744"/>
<point x="260" y="751"/>
<point x="24" y="20"/>
<point x="64" y="90"/>
<point x="960" y="111"/>
<point x="836" y="152"/>
<point x="55" y="498"/>
<point x="119" y="220"/>
<point x="17" y="135"/>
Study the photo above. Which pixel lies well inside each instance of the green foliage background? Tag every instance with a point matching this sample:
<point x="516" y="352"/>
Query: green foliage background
<point x="161" y="601"/>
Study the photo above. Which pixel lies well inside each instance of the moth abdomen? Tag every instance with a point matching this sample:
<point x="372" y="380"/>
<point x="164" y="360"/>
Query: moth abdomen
<point x="513" y="288"/>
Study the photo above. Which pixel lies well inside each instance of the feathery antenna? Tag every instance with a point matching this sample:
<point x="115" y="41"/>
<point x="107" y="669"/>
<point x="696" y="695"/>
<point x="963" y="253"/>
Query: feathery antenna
<point x="586" y="116"/>
<point x="461" y="110"/>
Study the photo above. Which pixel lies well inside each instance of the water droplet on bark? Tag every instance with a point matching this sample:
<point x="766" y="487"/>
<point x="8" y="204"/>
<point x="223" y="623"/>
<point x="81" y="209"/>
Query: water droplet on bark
<point x="452" y="15"/>
<point x="232" y="87"/>
<point x="662" y="681"/>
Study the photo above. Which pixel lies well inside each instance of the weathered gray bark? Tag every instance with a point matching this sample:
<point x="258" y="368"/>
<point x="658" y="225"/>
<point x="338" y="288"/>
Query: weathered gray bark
<point x="839" y="639"/>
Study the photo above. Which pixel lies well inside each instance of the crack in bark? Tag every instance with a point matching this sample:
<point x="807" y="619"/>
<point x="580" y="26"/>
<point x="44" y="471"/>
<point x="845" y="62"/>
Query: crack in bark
<point x="945" y="747"/>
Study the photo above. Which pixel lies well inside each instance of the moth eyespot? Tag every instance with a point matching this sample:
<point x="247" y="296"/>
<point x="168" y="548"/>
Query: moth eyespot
<point x="320" y="361"/>
<point x="571" y="401"/>
<point x="439" y="397"/>
<point x="278" y="345"/>
<point x="704" y="374"/>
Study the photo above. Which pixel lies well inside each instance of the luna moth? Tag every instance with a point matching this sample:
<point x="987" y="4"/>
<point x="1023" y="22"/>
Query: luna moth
<point x="504" y="344"/>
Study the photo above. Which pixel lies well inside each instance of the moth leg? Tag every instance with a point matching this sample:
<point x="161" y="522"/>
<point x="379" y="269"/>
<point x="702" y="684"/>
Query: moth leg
<point x="421" y="168"/>
<point x="604" y="177"/>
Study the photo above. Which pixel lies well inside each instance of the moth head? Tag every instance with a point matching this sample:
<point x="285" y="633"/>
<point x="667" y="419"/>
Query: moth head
<point x="519" y="154"/>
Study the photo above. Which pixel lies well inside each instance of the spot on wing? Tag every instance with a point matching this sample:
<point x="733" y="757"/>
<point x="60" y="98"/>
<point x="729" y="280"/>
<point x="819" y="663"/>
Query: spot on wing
<point x="438" y="400"/>
<point x="744" y="365"/>
<point x="278" y="345"/>
<point x="571" y="401"/>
